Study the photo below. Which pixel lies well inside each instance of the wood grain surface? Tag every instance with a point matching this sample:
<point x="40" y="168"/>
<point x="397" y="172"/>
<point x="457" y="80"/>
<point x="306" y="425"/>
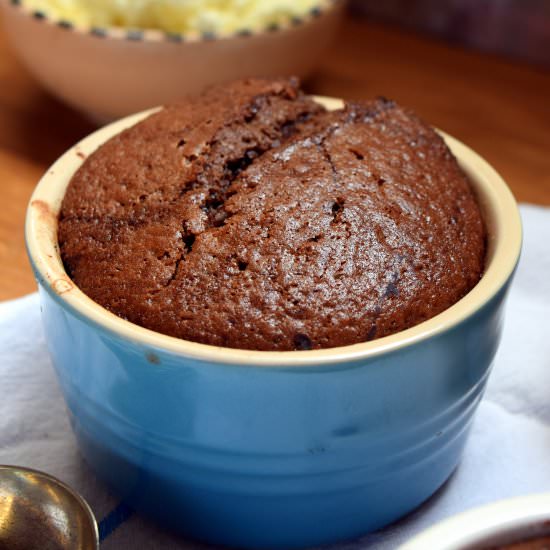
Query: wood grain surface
<point x="499" y="107"/>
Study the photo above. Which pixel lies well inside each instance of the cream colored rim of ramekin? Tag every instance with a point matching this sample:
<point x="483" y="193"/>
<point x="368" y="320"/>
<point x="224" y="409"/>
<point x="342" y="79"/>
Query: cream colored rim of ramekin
<point x="526" y="516"/>
<point x="504" y="243"/>
<point x="321" y="8"/>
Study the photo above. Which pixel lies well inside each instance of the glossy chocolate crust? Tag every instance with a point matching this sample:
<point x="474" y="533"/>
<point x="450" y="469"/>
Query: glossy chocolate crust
<point x="251" y="218"/>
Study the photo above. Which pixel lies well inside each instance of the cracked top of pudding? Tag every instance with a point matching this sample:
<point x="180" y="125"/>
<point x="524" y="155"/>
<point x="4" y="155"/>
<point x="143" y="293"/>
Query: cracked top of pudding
<point x="249" y="217"/>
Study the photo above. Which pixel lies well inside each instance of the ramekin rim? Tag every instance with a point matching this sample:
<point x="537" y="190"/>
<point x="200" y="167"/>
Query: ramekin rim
<point x="133" y="34"/>
<point x="49" y="268"/>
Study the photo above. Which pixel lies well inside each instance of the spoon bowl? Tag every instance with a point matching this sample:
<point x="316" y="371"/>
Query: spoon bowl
<point x="37" y="511"/>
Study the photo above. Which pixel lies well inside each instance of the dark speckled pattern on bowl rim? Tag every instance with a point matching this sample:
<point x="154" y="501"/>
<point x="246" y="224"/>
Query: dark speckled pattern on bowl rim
<point x="157" y="35"/>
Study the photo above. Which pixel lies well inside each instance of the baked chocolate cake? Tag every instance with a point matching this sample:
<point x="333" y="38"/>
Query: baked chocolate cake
<point x="250" y="217"/>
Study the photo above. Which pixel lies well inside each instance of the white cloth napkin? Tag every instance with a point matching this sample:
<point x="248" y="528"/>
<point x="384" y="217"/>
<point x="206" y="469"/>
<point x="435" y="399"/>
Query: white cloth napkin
<point x="508" y="452"/>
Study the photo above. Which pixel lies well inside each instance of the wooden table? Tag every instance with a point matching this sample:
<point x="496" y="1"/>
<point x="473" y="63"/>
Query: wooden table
<point x="498" y="107"/>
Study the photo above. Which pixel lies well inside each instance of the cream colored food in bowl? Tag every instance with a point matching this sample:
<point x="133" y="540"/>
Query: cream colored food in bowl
<point x="109" y="72"/>
<point x="187" y="16"/>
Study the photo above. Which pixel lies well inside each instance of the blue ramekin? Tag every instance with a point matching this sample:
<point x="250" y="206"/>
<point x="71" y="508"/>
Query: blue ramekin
<point x="271" y="449"/>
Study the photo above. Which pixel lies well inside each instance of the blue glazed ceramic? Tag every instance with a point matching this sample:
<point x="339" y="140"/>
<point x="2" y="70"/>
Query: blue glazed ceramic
<point x="272" y="449"/>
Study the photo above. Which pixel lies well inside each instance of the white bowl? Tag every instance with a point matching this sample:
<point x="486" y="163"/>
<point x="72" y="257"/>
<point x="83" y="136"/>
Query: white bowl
<point x="502" y="523"/>
<point x="112" y="72"/>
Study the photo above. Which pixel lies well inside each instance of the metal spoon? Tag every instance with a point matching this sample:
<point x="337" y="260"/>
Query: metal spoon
<point x="37" y="511"/>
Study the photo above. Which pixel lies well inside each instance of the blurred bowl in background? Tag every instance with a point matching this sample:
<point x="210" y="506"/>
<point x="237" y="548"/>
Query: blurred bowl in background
<point x="521" y="523"/>
<point x="111" y="72"/>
